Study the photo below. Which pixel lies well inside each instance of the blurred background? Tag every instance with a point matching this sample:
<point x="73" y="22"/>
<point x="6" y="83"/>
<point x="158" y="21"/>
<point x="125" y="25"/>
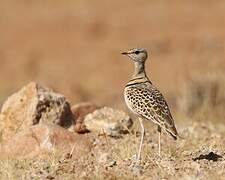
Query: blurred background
<point x="74" y="48"/>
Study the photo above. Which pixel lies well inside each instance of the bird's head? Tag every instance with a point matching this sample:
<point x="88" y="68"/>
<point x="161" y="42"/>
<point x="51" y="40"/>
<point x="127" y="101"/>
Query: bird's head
<point x="137" y="54"/>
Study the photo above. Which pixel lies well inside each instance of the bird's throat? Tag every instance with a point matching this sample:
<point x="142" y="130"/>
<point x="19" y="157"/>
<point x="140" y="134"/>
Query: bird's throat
<point x="139" y="70"/>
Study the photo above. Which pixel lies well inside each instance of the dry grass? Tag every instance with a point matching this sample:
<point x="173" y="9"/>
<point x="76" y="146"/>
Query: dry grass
<point x="203" y="97"/>
<point x="74" y="47"/>
<point x="111" y="158"/>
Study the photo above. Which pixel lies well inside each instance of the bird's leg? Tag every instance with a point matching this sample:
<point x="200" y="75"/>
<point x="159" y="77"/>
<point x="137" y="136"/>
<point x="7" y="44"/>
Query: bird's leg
<point x="159" y="131"/>
<point x="142" y="138"/>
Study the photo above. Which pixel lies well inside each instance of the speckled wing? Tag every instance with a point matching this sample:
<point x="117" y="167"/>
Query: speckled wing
<point x="146" y="101"/>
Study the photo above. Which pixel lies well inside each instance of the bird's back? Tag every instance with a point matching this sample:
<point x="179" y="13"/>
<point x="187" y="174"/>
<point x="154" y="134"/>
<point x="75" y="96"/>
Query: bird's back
<point x="146" y="101"/>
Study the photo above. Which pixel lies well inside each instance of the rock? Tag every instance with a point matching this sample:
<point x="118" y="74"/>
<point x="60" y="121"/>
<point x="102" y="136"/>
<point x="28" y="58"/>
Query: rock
<point x="102" y="158"/>
<point x="31" y="105"/>
<point x="106" y="159"/>
<point x="43" y="139"/>
<point x="109" y="121"/>
<point x="80" y="111"/>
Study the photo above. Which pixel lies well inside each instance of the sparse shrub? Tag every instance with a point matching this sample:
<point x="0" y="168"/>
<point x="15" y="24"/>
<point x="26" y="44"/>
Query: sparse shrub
<point x="204" y="97"/>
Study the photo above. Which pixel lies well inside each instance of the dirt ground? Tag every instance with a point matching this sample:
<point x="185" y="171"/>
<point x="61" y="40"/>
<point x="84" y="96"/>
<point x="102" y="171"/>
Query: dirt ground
<point x="200" y="155"/>
<point x="74" y="47"/>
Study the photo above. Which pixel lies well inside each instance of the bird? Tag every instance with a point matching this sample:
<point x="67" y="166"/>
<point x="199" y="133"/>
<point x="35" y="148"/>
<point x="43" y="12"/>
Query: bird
<point x="146" y="101"/>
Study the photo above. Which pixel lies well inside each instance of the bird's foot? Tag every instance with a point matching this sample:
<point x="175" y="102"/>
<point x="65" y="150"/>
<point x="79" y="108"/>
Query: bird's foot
<point x="135" y="165"/>
<point x="135" y="159"/>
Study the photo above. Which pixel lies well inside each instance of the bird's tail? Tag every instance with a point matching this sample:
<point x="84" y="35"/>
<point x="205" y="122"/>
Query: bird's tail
<point x="173" y="132"/>
<point x="171" y="129"/>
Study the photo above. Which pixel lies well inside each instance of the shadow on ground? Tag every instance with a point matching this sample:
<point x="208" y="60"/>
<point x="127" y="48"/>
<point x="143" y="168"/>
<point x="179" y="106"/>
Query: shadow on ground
<point x="210" y="157"/>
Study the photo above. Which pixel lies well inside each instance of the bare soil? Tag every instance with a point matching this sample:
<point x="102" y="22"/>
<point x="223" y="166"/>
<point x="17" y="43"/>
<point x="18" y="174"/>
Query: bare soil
<point x="199" y="155"/>
<point x="74" y="46"/>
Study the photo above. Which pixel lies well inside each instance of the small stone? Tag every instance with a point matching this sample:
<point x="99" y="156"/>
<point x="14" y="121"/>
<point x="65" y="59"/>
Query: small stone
<point x="112" y="163"/>
<point x="103" y="158"/>
<point x="50" y="177"/>
<point x="136" y="169"/>
<point x="110" y="121"/>
<point x="79" y="112"/>
<point x="96" y="142"/>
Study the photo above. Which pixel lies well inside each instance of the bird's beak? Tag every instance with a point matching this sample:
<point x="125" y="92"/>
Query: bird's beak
<point x="124" y="53"/>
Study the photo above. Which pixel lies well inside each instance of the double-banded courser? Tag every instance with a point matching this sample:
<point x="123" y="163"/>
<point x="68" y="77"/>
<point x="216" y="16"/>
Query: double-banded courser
<point x="145" y="100"/>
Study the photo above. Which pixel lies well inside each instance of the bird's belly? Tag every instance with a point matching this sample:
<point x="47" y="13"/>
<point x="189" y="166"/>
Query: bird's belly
<point x="134" y="105"/>
<point x="128" y="101"/>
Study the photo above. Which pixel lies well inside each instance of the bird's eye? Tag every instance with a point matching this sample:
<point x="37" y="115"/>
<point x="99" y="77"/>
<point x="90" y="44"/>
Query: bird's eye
<point x="137" y="52"/>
